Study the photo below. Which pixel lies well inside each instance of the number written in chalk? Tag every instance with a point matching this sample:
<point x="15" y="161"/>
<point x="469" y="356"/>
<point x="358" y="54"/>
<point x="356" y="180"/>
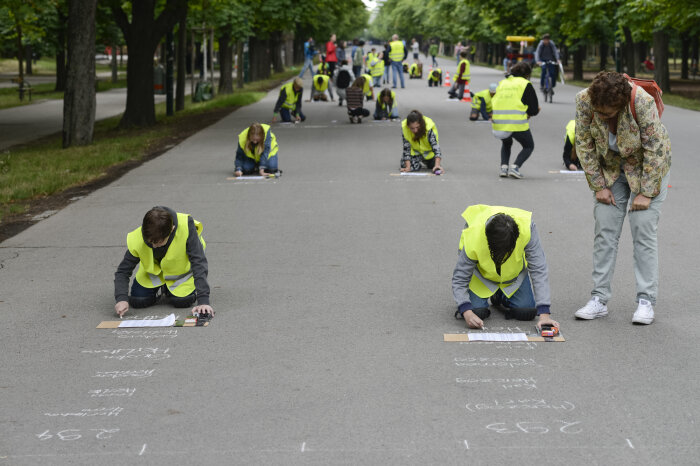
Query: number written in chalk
<point x="563" y="427"/>
<point x="76" y="434"/>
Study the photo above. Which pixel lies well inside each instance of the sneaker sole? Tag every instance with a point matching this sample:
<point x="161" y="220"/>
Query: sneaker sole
<point x="642" y="321"/>
<point x="588" y="316"/>
<point x="513" y="175"/>
<point x="503" y="175"/>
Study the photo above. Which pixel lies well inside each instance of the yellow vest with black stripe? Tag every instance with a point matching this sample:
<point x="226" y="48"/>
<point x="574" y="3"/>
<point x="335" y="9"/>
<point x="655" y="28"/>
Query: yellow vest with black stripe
<point x="435" y="75"/>
<point x="466" y="75"/>
<point x="174" y="269"/>
<point x="324" y="82"/>
<point x="382" y="104"/>
<point x="397" y="51"/>
<point x="571" y="131"/>
<point x="509" y="112"/>
<point x="482" y="97"/>
<point x="367" y="89"/>
<point x="291" y="100"/>
<point x="243" y="138"/>
<point x="422" y="146"/>
<point x="475" y="245"/>
<point x="376" y="69"/>
<point x="413" y="70"/>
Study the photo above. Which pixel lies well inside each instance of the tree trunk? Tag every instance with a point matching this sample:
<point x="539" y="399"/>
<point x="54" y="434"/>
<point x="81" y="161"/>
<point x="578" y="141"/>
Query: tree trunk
<point x="661" y="73"/>
<point x="239" y="65"/>
<point x="225" y="63"/>
<point x="579" y="56"/>
<point x="181" y="64"/>
<point x="276" y="51"/>
<point x="259" y="56"/>
<point x="61" y="56"/>
<point x="28" y="57"/>
<point x="685" y="54"/>
<point x="115" y="68"/>
<point x="79" y="98"/>
<point x="604" y="50"/>
<point x="628" y="52"/>
<point x="20" y="52"/>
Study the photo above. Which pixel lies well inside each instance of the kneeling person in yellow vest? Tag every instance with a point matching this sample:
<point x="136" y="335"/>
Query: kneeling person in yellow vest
<point x="420" y="144"/>
<point x="169" y="251"/>
<point x="571" y="160"/>
<point x="288" y="104"/>
<point x="435" y="78"/>
<point x="415" y="71"/>
<point x="481" y="103"/>
<point x="321" y="84"/>
<point x="257" y="151"/>
<point x="499" y="255"/>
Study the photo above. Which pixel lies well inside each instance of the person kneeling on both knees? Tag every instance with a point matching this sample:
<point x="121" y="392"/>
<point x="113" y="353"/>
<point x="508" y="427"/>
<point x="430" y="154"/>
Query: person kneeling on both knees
<point x="169" y="251"/>
<point x="257" y="151"/>
<point x="499" y="253"/>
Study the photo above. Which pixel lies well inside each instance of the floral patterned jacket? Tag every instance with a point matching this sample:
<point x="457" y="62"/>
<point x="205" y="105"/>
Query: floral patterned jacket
<point x="645" y="148"/>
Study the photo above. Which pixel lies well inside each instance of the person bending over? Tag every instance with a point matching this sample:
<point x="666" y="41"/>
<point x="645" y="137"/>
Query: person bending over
<point x="288" y="104"/>
<point x="420" y="144"/>
<point x="481" y="103"/>
<point x="499" y="254"/>
<point x="168" y="249"/>
<point x="386" y="107"/>
<point x="257" y="151"/>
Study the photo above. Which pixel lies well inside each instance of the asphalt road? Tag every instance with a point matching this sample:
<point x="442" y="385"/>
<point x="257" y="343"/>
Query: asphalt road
<point x="332" y="291"/>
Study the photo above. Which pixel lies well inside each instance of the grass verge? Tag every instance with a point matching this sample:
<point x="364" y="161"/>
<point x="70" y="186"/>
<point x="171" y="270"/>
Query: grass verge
<point x="42" y="175"/>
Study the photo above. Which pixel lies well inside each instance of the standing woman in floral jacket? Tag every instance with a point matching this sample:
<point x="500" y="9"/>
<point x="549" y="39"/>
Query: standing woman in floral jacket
<point x="627" y="161"/>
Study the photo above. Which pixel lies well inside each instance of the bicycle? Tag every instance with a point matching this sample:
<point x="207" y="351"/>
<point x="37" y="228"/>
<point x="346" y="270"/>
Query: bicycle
<point x="548" y="88"/>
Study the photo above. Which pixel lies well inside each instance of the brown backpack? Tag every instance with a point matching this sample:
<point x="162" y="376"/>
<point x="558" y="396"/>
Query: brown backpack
<point x="652" y="89"/>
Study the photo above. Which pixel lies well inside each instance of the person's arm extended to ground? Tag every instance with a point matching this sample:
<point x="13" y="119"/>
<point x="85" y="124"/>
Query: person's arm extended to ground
<point x="265" y="155"/>
<point x="199" y="267"/>
<point x="539" y="276"/>
<point x="240" y="157"/>
<point x="433" y="140"/>
<point x="280" y="100"/>
<point x="406" y="156"/>
<point x="461" y="277"/>
<point x="121" y="282"/>
<point x="297" y="106"/>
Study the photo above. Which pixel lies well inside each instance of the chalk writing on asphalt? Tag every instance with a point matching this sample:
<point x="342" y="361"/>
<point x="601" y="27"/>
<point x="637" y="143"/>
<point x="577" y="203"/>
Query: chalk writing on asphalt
<point x="520" y="404"/>
<point x="117" y="374"/>
<point x="525" y="383"/>
<point x="564" y="427"/>
<point x="77" y="434"/>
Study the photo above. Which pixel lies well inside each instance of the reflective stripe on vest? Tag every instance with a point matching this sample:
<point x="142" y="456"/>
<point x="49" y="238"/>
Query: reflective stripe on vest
<point x="466" y="76"/>
<point x="242" y="138"/>
<point x="290" y="102"/>
<point x="422" y="146"/>
<point x="174" y="269"/>
<point x="485" y="280"/>
<point x="571" y="131"/>
<point x="509" y="112"/>
<point x="397" y="51"/>
<point x="324" y="82"/>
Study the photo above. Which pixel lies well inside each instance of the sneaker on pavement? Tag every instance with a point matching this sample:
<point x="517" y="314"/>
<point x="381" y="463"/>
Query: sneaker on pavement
<point x="592" y="310"/>
<point x="504" y="171"/>
<point x="514" y="172"/>
<point x="644" y="313"/>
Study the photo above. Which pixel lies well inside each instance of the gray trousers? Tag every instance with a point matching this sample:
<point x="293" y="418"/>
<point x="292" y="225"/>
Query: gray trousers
<point x="643" y="225"/>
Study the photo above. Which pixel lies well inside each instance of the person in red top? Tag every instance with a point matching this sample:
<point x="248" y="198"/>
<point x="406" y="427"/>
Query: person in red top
<point x="331" y="58"/>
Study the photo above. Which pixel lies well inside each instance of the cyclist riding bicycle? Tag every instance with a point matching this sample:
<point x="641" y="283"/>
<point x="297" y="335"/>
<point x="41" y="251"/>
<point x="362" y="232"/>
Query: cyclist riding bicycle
<point x="547" y="56"/>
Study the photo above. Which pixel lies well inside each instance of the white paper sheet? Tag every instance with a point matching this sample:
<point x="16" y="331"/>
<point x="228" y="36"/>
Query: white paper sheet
<point x="497" y="337"/>
<point x="570" y="172"/>
<point x="257" y="177"/>
<point x="164" y="322"/>
<point x="414" y="174"/>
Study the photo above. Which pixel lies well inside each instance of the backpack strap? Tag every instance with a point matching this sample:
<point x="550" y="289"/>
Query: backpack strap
<point x="632" y="96"/>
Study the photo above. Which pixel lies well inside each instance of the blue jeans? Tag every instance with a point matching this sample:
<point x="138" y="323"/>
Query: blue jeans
<point x="521" y="299"/>
<point x="435" y="63"/>
<point x="308" y="63"/>
<point x="145" y="297"/>
<point x="287" y="115"/>
<point x="379" y="114"/>
<point x="377" y="80"/>
<point x="249" y="166"/>
<point x="398" y="69"/>
<point x="552" y="67"/>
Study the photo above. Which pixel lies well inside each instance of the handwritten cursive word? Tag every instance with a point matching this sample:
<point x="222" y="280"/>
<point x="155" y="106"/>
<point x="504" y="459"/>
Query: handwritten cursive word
<point x="527" y="384"/>
<point x="146" y="334"/>
<point x="75" y="434"/>
<point x="117" y="374"/>
<point x="521" y="404"/>
<point x="494" y="362"/>
<point x="132" y="353"/>
<point x="535" y="427"/>
<point x="112" y="392"/>
<point x="90" y="412"/>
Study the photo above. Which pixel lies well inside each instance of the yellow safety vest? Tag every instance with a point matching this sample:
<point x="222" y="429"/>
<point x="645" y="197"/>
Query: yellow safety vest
<point x="435" y="75"/>
<point x="571" y="131"/>
<point x="292" y="97"/>
<point x="324" y="82"/>
<point x="413" y="70"/>
<point x="422" y="146"/>
<point x="482" y="96"/>
<point x="397" y="51"/>
<point x="382" y="104"/>
<point x="378" y="68"/>
<point x="475" y="245"/>
<point x="466" y="76"/>
<point x="174" y="269"/>
<point x="509" y="112"/>
<point x="243" y="137"/>
<point x="367" y="89"/>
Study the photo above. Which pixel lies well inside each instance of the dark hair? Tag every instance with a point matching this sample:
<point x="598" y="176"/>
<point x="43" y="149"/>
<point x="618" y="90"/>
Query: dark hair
<point x="386" y="92"/>
<point x="463" y="54"/>
<point x="416" y="117"/>
<point x="319" y="80"/>
<point x="359" y="82"/>
<point x="546" y="36"/>
<point x="501" y="233"/>
<point x="609" y="89"/>
<point x="521" y="70"/>
<point x="157" y="225"/>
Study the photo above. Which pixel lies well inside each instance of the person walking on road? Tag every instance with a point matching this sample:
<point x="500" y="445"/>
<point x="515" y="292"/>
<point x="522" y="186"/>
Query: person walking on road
<point x="358" y="57"/>
<point x="501" y="258"/>
<point x="420" y="144"/>
<point x="257" y="151"/>
<point x="433" y="51"/>
<point x="331" y="57"/>
<point x="397" y="54"/>
<point x="514" y="103"/>
<point x="415" y="49"/>
<point x="309" y="54"/>
<point x="167" y="251"/>
<point x="288" y="104"/>
<point x="625" y="152"/>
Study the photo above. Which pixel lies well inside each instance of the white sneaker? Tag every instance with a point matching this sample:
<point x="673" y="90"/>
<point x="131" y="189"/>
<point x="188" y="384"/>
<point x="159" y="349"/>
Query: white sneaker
<point x="644" y="313"/>
<point x="592" y="310"/>
<point x="504" y="171"/>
